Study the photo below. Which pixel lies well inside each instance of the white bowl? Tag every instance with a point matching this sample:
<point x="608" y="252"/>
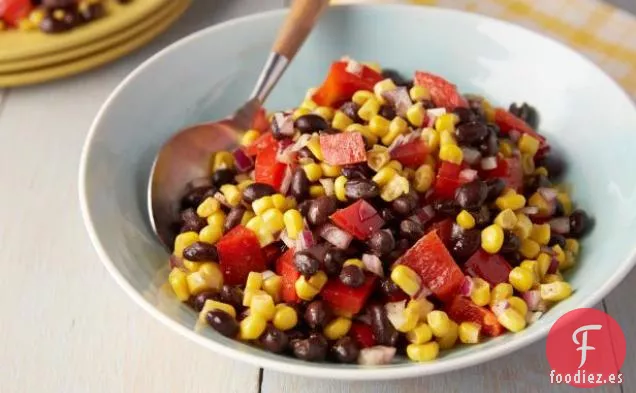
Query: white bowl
<point x="584" y="113"/>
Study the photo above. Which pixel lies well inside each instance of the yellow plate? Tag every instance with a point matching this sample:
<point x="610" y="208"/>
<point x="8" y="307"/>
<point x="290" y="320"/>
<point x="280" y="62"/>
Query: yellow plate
<point x="89" y="62"/>
<point x="15" y="44"/>
<point x="23" y="65"/>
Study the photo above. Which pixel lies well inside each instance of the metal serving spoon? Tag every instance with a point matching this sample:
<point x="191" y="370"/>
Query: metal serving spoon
<point x="186" y="156"/>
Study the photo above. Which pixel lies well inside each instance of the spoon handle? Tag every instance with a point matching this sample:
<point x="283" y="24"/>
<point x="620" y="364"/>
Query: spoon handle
<point x="299" y="22"/>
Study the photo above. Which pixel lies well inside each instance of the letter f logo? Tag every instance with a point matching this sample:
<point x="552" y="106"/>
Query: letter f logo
<point x="584" y="347"/>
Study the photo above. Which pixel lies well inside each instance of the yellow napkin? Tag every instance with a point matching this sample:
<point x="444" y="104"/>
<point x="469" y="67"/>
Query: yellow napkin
<point x="605" y="34"/>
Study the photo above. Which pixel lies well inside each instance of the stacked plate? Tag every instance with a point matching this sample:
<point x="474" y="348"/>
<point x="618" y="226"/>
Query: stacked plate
<point x="28" y="57"/>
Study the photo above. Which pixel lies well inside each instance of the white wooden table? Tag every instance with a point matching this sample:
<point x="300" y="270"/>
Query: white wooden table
<point x="67" y="328"/>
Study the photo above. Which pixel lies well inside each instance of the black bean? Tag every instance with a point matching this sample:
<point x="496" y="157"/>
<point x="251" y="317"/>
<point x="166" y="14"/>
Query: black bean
<point x="526" y="113"/>
<point x="72" y="17"/>
<point x="256" y="191"/>
<point x="334" y="258"/>
<point x="428" y="104"/>
<point x="303" y="207"/>
<point x="352" y="276"/>
<point x="274" y="340"/>
<point x="356" y="171"/>
<point x="395" y="76"/>
<point x="232" y="295"/>
<point x="312" y="349"/>
<point x="233" y="218"/>
<point x="295" y="335"/>
<point x="411" y="230"/>
<point x="222" y="322"/>
<point x="555" y="239"/>
<point x="350" y="109"/>
<point x="345" y="350"/>
<point x="381" y="242"/>
<point x="471" y="133"/>
<point x="471" y="196"/>
<point x="465" y="115"/>
<point x="310" y="123"/>
<point x="223" y="176"/>
<point x="482" y="217"/>
<point x="305" y="153"/>
<point x="330" y="131"/>
<point x="389" y="288"/>
<point x="305" y="263"/>
<point x="511" y="243"/>
<point x="490" y="145"/>
<point x="533" y="182"/>
<point x="465" y="244"/>
<point x="383" y="330"/>
<point x="317" y="314"/>
<point x="201" y="252"/>
<point x="554" y="164"/>
<point x="190" y="221"/>
<point x="404" y="204"/>
<point x="475" y="104"/>
<point x="320" y="209"/>
<point x="299" y="185"/>
<point x="446" y="207"/>
<point x="356" y="247"/>
<point x="387" y="214"/>
<point x="400" y="248"/>
<point x="579" y="223"/>
<point x="361" y="189"/>
<point x="93" y="11"/>
<point x="495" y="188"/>
<point x="513" y="258"/>
<point x="559" y="210"/>
<point x="195" y="196"/>
<point x="58" y="3"/>
<point x="199" y="300"/>
<point x="387" y="112"/>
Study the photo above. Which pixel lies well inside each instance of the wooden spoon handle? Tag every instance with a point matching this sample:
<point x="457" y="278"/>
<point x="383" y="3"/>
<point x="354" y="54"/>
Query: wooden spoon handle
<point x="299" y="22"/>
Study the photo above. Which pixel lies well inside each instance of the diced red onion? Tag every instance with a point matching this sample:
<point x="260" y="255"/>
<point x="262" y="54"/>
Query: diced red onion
<point x="467" y="175"/>
<point x="548" y="250"/>
<point x="221" y="198"/>
<point x="467" y="286"/>
<point x="532" y="317"/>
<point x="396" y="142"/>
<point x="328" y="185"/>
<point x="532" y="299"/>
<point x="500" y="306"/>
<point x="377" y="355"/>
<point x="514" y="135"/>
<point x="423" y="293"/>
<point x="284" y="124"/>
<point x="530" y="210"/>
<point x="289" y="242"/>
<point x="430" y="121"/>
<point x="305" y="240"/>
<point x="426" y="213"/>
<point x="364" y="318"/>
<point x="366" y="211"/>
<point x="471" y="156"/>
<point x="435" y="112"/>
<point x="301" y="142"/>
<point x="242" y="161"/>
<point x="489" y="163"/>
<point x="400" y="99"/>
<point x="554" y="266"/>
<point x="373" y="264"/>
<point x="560" y="225"/>
<point x="175" y="261"/>
<point x="287" y="178"/>
<point x="549" y="194"/>
<point x="267" y="274"/>
<point x="335" y="236"/>
<point x="353" y="67"/>
<point x="395" y="313"/>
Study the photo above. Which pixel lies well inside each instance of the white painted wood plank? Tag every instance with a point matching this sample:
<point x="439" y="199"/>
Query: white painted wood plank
<point x="67" y="327"/>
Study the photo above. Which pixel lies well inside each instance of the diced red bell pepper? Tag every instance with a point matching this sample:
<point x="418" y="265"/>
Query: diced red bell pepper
<point x="343" y="297"/>
<point x="260" y="121"/>
<point x="445" y="187"/>
<point x="343" y="148"/>
<point x="266" y="139"/>
<point x="12" y="11"/>
<point x="508" y="121"/>
<point x="286" y="269"/>
<point x="509" y="170"/>
<point x="491" y="267"/>
<point x="443" y="93"/>
<point x="362" y="334"/>
<point x="462" y="309"/>
<point x="444" y="230"/>
<point x="271" y="253"/>
<point x="340" y="84"/>
<point x="267" y="169"/>
<point x="412" y="154"/>
<point x="359" y="219"/>
<point x="430" y="259"/>
<point x="448" y="169"/>
<point x="239" y="254"/>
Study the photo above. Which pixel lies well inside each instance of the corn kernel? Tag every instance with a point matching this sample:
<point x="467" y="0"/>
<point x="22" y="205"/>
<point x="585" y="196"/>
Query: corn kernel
<point x="537" y="200"/>
<point x="521" y="279"/>
<point x="300" y="112"/>
<point x="405" y="278"/>
<point x="572" y="245"/>
<point x="248" y="295"/>
<point x="254" y="281"/>
<point x="422" y="306"/>
<point x="243" y="184"/>
<point x="249" y="137"/>
<point x="528" y="145"/>
<point x="325" y="112"/>
<point x="529" y="248"/>
<point x="314" y="147"/>
<point x="540" y="233"/>
<point x="527" y="164"/>
<point x="273" y="220"/>
<point x="512" y="320"/>
<point x="263" y="304"/>
<point x="500" y="292"/>
<point x="489" y="110"/>
<point x="518" y="304"/>
<point x="354" y="262"/>
<point x="252" y="327"/>
<point x="217" y="219"/>
<point x="397" y="127"/>
<point x="36" y="16"/>
<point x="465" y="220"/>
<point x="304" y="290"/>
<point x="369" y="109"/>
<point x="543" y="262"/>
<point x="264" y="236"/>
<point x="330" y="170"/>
<point x="432" y="138"/>
<point x="481" y="292"/>
<point x="448" y="341"/>
<point x="439" y="323"/>
<point x="451" y="153"/>
<point x="294" y="223"/>
<point x="262" y="204"/>
<point x="420" y="335"/>
<point x="550" y="278"/>
<point x="316" y="191"/>
<point x="505" y="148"/>
<point x="492" y="238"/>
<point x="254" y="224"/>
<point x="423" y="352"/>
<point x="523" y="228"/>
<point x="541" y="171"/>
<point x="27" y="25"/>
<point x="285" y="317"/>
<point x="566" y="202"/>
<point x="369" y="137"/>
<point x="419" y="93"/>
<point x="395" y="188"/>
<point x="337" y="328"/>
<point x="178" y="281"/>
<point x="423" y="179"/>
<point x="339" y="188"/>
<point x="210" y="234"/>
<point x="512" y="201"/>
<point x="341" y="121"/>
<point x="223" y="160"/>
<point x="506" y="219"/>
<point x="382" y="87"/>
<point x="533" y="267"/>
<point x="184" y="240"/>
<point x="318" y="280"/>
<point x="560" y="254"/>
<point x="209" y="277"/>
<point x="395" y="164"/>
<point x="309" y="104"/>
<point x="379" y="125"/>
<point x="469" y="332"/>
<point x="416" y="114"/>
<point x="362" y="96"/>
<point x="191" y="266"/>
<point x="211" y="305"/>
<point x="232" y="194"/>
<point x="290" y="203"/>
<point x="384" y="176"/>
<point x="378" y="157"/>
<point x="273" y="286"/>
<point x="555" y="291"/>
<point x="279" y="202"/>
<point x="446" y="122"/>
<point x="446" y="138"/>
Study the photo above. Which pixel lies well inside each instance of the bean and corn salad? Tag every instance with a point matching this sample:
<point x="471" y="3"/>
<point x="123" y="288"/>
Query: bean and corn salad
<point x="382" y="216"/>
<point x="50" y="16"/>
